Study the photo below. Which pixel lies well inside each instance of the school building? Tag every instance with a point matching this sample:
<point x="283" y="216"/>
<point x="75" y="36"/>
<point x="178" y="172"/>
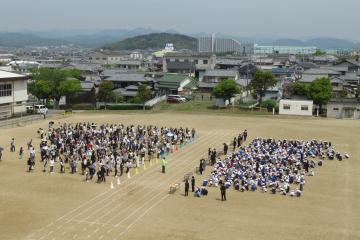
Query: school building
<point x="13" y="94"/>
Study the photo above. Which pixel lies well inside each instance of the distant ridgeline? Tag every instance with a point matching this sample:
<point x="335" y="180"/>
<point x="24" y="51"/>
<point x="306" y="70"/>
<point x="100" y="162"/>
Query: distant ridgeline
<point x="154" y="41"/>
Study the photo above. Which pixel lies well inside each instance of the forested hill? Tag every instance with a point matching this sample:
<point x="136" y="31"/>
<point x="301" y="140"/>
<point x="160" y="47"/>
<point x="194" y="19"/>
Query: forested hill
<point x="154" y="41"/>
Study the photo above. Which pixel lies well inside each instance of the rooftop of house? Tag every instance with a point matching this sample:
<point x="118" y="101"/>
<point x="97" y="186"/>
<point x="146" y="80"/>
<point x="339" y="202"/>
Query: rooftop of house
<point x="173" y="81"/>
<point x="335" y="68"/>
<point x="308" y="65"/>
<point x="130" y="62"/>
<point x="128" y="77"/>
<point x="86" y="67"/>
<point x="351" y="76"/>
<point x="283" y="70"/>
<point x="221" y="73"/>
<point x="308" y="78"/>
<point x="229" y="61"/>
<point x="320" y="71"/>
<point x="4" y="75"/>
<point x="181" y="66"/>
<point x="354" y="62"/>
<point x="189" y="54"/>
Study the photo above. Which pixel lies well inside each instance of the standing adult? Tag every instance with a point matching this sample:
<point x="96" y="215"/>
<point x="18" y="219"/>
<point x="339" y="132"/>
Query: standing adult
<point x="226" y="147"/>
<point x="187" y="185"/>
<point x="192" y="184"/>
<point x="12" y="145"/>
<point x="223" y="192"/>
<point x="163" y="165"/>
<point x="201" y="167"/>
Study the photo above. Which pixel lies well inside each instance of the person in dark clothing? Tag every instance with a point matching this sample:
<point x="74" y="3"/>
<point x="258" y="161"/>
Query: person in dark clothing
<point x="12" y="145"/>
<point x="201" y="169"/>
<point x="226" y="147"/>
<point x="223" y="192"/>
<point x="192" y="184"/>
<point x="234" y="144"/>
<point x="121" y="168"/>
<point x="245" y="135"/>
<point x="187" y="185"/>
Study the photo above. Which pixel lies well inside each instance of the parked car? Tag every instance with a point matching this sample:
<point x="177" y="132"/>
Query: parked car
<point x="37" y="109"/>
<point x="187" y="98"/>
<point x="29" y="109"/>
<point x="175" y="99"/>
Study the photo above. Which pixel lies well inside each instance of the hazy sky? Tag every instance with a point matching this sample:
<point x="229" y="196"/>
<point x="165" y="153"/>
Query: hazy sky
<point x="285" y="18"/>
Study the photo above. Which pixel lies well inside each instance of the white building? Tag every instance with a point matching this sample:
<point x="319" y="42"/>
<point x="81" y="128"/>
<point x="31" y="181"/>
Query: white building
<point x="259" y="49"/>
<point x="296" y="107"/>
<point x="13" y="94"/>
<point x="218" y="45"/>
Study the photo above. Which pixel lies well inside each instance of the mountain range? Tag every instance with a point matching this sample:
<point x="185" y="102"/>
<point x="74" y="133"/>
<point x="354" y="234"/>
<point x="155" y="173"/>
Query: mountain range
<point x="98" y="38"/>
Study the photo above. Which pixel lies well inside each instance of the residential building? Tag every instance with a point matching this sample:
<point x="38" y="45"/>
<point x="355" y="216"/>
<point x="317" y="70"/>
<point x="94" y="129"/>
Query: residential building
<point x="343" y="108"/>
<point x="212" y="77"/>
<point x="351" y="64"/>
<point x="218" y="75"/>
<point x="192" y="63"/>
<point x="13" y="94"/>
<point x="129" y="92"/>
<point x="284" y="73"/>
<point x="103" y="58"/>
<point x="86" y="95"/>
<point x="130" y="64"/>
<point x="176" y="84"/>
<point x="310" y="75"/>
<point x="296" y="107"/>
<point x="122" y="80"/>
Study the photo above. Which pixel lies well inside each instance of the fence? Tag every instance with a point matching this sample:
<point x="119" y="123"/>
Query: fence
<point x="20" y="121"/>
<point x="131" y="106"/>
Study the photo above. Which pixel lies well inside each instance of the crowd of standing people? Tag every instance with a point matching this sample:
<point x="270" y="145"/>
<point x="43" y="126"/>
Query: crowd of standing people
<point x="105" y="149"/>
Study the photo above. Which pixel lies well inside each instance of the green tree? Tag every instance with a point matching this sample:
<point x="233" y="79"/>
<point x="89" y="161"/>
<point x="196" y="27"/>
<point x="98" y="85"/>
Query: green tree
<point x="320" y="91"/>
<point x="226" y="89"/>
<point x="358" y="91"/>
<point x="261" y="82"/>
<point x="73" y="73"/>
<point x="319" y="53"/>
<point x="54" y="80"/>
<point x="269" y="104"/>
<point x="68" y="88"/>
<point x="144" y="94"/>
<point x="41" y="89"/>
<point x="119" y="98"/>
<point x="300" y="89"/>
<point x="106" y="93"/>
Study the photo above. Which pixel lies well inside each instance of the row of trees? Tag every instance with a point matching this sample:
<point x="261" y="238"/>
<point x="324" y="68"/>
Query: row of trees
<point x="52" y="84"/>
<point x="320" y="90"/>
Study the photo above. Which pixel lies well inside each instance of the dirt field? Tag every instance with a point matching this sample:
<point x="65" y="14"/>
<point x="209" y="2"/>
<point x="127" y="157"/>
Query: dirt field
<point x="43" y="206"/>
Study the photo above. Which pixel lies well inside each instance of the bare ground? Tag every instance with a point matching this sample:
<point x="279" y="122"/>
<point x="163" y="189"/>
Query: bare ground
<point x="44" y="206"/>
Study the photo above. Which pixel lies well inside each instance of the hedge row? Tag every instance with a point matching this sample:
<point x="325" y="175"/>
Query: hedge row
<point x="125" y="107"/>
